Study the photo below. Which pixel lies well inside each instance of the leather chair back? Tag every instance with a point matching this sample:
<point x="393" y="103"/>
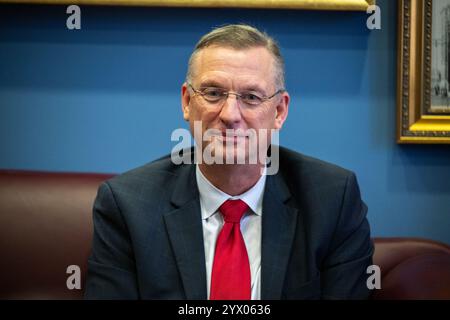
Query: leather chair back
<point x="46" y="226"/>
<point x="412" y="268"/>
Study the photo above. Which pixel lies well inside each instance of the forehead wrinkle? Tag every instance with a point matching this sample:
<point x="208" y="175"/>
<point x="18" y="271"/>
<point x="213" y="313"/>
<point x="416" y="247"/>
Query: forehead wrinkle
<point x="229" y="63"/>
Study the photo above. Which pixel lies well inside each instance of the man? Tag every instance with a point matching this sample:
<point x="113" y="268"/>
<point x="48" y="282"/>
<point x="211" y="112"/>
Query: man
<point x="225" y="229"/>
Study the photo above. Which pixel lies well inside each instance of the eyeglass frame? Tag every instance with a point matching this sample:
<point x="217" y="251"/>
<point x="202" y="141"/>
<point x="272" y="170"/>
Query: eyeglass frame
<point x="226" y="94"/>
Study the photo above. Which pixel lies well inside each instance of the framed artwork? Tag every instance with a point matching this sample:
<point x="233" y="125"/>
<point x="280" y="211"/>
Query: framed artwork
<point x="356" y="5"/>
<point x="424" y="71"/>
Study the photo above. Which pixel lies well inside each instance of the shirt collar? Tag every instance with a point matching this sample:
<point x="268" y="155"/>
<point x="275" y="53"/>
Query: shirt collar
<point x="211" y="198"/>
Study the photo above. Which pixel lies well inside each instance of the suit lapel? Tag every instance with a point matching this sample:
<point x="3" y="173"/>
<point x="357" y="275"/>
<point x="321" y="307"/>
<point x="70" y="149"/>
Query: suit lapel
<point x="184" y="226"/>
<point x="278" y="230"/>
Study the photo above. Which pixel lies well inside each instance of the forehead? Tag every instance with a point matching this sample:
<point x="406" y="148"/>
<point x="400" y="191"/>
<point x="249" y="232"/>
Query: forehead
<point x="234" y="66"/>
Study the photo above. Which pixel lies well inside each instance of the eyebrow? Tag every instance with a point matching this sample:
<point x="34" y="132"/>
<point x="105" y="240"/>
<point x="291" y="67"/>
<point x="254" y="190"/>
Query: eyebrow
<point x="254" y="88"/>
<point x="211" y="83"/>
<point x="216" y="84"/>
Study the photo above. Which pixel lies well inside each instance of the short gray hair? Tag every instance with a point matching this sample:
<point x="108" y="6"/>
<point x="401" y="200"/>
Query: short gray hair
<point x="240" y="36"/>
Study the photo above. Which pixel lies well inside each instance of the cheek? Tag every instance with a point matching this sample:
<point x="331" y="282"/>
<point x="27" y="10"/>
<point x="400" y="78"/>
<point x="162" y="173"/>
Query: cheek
<point x="264" y="118"/>
<point x="199" y="113"/>
<point x="206" y="116"/>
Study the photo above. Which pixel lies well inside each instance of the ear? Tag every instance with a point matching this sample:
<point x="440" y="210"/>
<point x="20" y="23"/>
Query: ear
<point x="185" y="100"/>
<point x="282" y="109"/>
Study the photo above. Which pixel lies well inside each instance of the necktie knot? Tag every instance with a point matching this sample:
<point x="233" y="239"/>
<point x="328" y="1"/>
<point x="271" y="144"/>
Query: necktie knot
<point x="233" y="210"/>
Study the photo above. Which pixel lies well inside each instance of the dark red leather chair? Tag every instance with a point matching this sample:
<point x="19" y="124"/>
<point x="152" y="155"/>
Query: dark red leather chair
<point x="46" y="226"/>
<point x="412" y="268"/>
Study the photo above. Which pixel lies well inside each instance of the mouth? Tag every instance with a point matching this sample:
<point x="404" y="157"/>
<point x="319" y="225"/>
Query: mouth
<point x="235" y="136"/>
<point x="231" y="138"/>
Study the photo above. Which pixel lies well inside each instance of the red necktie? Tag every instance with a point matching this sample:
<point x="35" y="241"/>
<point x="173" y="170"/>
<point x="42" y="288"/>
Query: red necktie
<point x="230" y="279"/>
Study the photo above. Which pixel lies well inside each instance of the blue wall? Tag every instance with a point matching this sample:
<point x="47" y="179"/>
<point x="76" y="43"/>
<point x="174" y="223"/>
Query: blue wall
<point x="106" y="98"/>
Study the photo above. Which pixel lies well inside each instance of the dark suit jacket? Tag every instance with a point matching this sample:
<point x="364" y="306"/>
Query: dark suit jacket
<point x="148" y="239"/>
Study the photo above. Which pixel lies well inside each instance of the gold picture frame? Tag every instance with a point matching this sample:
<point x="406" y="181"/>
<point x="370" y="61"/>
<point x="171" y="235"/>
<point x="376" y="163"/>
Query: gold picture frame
<point x="348" y="5"/>
<point x="421" y="117"/>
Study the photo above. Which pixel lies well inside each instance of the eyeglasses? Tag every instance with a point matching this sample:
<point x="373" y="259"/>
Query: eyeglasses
<point x="216" y="95"/>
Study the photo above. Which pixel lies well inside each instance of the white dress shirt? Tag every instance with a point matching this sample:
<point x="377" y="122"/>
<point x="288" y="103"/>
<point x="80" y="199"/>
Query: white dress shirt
<point x="211" y="198"/>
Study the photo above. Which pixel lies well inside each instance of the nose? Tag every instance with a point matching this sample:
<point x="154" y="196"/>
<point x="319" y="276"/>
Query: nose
<point x="230" y="113"/>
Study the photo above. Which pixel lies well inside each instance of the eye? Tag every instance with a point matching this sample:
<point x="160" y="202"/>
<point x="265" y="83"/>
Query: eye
<point x="251" y="98"/>
<point x="213" y="93"/>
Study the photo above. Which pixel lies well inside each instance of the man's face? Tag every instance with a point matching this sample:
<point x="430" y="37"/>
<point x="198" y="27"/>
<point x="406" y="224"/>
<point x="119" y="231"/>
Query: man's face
<point x="250" y="70"/>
